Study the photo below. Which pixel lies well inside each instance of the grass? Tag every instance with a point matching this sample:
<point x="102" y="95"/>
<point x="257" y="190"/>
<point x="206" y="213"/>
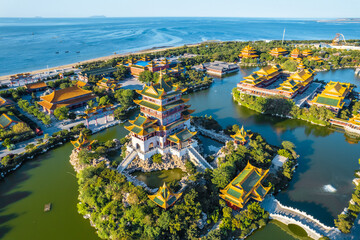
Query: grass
<point x="293" y="230"/>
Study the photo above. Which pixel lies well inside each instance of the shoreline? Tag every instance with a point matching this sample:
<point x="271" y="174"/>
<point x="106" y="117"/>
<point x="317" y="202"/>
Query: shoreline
<point x="103" y="58"/>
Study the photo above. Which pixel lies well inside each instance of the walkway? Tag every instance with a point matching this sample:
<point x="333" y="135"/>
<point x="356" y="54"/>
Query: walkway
<point x="123" y="165"/>
<point x="301" y="99"/>
<point x="199" y="160"/>
<point x="312" y="226"/>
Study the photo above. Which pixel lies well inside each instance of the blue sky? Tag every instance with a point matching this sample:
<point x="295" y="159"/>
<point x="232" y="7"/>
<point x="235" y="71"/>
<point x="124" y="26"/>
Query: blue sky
<point x="181" y="8"/>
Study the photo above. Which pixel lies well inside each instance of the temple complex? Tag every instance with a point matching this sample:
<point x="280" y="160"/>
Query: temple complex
<point x="333" y="96"/>
<point x="82" y="142"/>
<point x="71" y="97"/>
<point x="241" y="136"/>
<point x="163" y="122"/>
<point x="137" y="67"/>
<point x="109" y="84"/>
<point x="248" y="52"/>
<point x="245" y="186"/>
<point x="164" y="197"/>
<point x="276" y="52"/>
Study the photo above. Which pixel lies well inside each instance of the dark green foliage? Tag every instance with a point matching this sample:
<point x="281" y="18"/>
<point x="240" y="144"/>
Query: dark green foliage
<point x="157" y="158"/>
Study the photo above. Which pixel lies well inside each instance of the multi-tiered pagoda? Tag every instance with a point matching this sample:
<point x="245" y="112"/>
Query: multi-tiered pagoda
<point x="162" y="126"/>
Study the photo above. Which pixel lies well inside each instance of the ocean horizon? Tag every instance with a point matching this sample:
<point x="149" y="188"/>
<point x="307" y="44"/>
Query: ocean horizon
<point x="28" y="44"/>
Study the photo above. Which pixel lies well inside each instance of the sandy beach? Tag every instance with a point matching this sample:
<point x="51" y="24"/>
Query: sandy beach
<point x="68" y="67"/>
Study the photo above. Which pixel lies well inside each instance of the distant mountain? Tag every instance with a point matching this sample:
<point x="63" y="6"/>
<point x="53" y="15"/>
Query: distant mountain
<point x="341" y="20"/>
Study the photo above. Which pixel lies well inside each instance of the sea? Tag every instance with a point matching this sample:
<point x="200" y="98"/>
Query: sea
<point x="37" y="43"/>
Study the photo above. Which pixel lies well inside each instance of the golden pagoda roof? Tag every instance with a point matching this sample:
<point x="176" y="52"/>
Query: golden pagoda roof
<point x="246" y="185"/>
<point x="268" y="70"/>
<point x="248" y="51"/>
<point x="278" y="51"/>
<point x="307" y="52"/>
<point x="355" y="119"/>
<point x="82" y="141"/>
<point x="36" y="85"/>
<point x="161" y="90"/>
<point x="142" y="125"/>
<point x="304" y="76"/>
<point x="164" y="197"/>
<point x="301" y="65"/>
<point x="65" y="94"/>
<point x="241" y="135"/>
<point x="296" y="51"/>
<point x="333" y="95"/>
<point x="290" y="86"/>
<point x="315" y="58"/>
<point x="181" y="136"/>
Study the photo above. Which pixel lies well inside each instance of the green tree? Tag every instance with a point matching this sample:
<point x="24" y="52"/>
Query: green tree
<point x="157" y="158"/>
<point x="61" y="113"/>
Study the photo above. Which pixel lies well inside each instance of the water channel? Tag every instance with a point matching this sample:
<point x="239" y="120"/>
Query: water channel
<point x="327" y="158"/>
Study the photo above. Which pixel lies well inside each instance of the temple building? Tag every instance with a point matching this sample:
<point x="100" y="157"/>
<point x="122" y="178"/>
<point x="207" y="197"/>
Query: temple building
<point x="109" y="84"/>
<point x="315" y="59"/>
<point x="248" y="52"/>
<point x="137" y="67"/>
<point x="301" y="66"/>
<point x="163" y="122"/>
<point x="241" y="136"/>
<point x="103" y="72"/>
<point x="276" y="52"/>
<point x="164" y="197"/>
<point x="36" y="87"/>
<point x="7" y="121"/>
<point x="82" y="142"/>
<point x="264" y="76"/>
<point x="355" y="120"/>
<point x="245" y="186"/>
<point x="71" y="97"/>
<point x="5" y="102"/>
<point x="333" y="96"/>
<point x="295" y="53"/>
<point x="296" y="83"/>
<point x="307" y="52"/>
<point x="217" y="68"/>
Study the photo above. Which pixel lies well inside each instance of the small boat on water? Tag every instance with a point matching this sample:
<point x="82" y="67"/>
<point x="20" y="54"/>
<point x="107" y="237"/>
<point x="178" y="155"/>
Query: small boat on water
<point x="78" y="52"/>
<point x="57" y="52"/>
<point x="66" y="51"/>
<point x="47" y="207"/>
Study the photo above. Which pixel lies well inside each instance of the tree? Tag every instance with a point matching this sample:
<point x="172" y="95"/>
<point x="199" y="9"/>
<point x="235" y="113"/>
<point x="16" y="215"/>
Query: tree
<point x="105" y="100"/>
<point x="29" y="146"/>
<point x="290" y="65"/>
<point x="6" y="142"/>
<point x="72" y="116"/>
<point x="157" y="158"/>
<point x="20" y="127"/>
<point x="61" y="113"/>
<point x="91" y="104"/>
<point x="288" y="145"/>
<point x="125" y="97"/>
<point x="147" y="77"/>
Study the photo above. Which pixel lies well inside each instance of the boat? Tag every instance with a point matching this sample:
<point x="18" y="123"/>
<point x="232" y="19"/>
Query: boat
<point x="66" y="51"/>
<point x="47" y="207"/>
<point x="78" y="52"/>
<point x="57" y="52"/>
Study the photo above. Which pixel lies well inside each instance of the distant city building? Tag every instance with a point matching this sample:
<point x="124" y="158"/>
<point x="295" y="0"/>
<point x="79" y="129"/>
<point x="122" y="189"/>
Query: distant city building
<point x="164" y="197"/>
<point x="333" y="96"/>
<point x="245" y="186"/>
<point x="71" y="97"/>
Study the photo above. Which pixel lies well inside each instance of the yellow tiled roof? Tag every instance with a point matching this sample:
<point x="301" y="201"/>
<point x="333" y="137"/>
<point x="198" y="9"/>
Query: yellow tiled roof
<point x="64" y="94"/>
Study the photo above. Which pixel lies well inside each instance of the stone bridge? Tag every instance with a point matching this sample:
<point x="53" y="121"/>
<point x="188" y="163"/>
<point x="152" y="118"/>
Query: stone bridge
<point x="213" y="135"/>
<point x="312" y="226"/>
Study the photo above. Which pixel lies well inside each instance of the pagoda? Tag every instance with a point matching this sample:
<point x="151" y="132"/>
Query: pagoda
<point x="82" y="142"/>
<point x="301" y="66"/>
<point x="307" y="52"/>
<point x="248" y="52"/>
<point x="295" y="53"/>
<point x="163" y="122"/>
<point x="164" y="197"/>
<point x="241" y="136"/>
<point x="109" y="84"/>
<point x="276" y="52"/>
<point x="355" y="120"/>
<point x="245" y="186"/>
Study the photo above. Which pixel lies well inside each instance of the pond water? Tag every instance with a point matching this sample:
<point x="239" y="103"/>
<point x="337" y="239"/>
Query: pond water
<point x="157" y="178"/>
<point x="327" y="158"/>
